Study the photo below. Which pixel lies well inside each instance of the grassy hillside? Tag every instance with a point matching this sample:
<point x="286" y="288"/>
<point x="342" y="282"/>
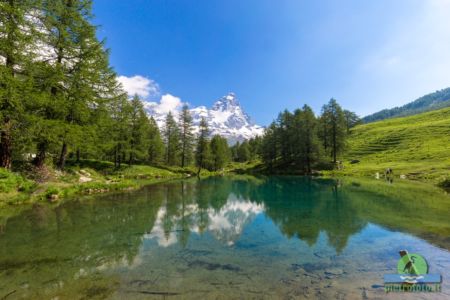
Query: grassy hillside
<point x="416" y="146"/>
<point x="429" y="102"/>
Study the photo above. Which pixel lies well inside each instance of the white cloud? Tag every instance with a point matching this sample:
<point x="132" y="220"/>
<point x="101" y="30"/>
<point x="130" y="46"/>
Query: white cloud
<point x="139" y="85"/>
<point x="167" y="103"/>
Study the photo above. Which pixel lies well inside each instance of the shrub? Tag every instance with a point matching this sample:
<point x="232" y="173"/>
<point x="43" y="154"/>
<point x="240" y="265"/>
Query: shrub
<point x="10" y="182"/>
<point x="52" y="191"/>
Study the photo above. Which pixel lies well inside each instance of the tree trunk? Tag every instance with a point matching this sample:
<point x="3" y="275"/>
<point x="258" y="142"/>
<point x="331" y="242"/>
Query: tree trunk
<point x="6" y="145"/>
<point x="182" y="159"/>
<point x="115" y="158"/>
<point x="78" y="155"/>
<point x="62" y="157"/>
<point x="308" y="161"/>
<point x="119" y="155"/>
<point x="334" y="143"/>
<point x="41" y="155"/>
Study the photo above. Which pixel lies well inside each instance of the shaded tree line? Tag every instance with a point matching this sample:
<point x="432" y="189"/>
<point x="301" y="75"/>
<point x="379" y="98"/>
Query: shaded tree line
<point x="302" y="141"/>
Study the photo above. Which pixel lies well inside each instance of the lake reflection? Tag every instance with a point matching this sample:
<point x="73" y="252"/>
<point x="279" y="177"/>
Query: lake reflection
<point x="227" y="237"/>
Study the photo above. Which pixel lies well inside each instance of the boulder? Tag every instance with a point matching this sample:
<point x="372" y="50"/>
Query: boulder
<point x="53" y="198"/>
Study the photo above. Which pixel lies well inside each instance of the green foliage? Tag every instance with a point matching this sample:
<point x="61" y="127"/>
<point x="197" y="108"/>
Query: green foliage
<point x="298" y="142"/>
<point x="220" y="152"/>
<point x="12" y="182"/>
<point x="203" y="151"/>
<point x="156" y="144"/>
<point x="16" y="33"/>
<point x="351" y="120"/>
<point x="243" y="152"/>
<point x="140" y="128"/>
<point x="52" y="191"/>
<point x="172" y="141"/>
<point x="255" y="147"/>
<point x="334" y="129"/>
<point x="186" y="136"/>
<point x="306" y="142"/>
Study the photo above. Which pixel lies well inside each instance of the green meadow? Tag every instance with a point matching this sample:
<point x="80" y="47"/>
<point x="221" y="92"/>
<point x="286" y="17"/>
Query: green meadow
<point x="417" y="147"/>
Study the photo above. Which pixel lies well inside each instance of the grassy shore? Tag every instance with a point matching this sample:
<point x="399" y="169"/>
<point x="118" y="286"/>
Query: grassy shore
<point x="29" y="185"/>
<point x="415" y="147"/>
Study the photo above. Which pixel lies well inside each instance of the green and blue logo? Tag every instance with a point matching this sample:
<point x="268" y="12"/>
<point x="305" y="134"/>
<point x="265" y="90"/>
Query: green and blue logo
<point x="412" y="275"/>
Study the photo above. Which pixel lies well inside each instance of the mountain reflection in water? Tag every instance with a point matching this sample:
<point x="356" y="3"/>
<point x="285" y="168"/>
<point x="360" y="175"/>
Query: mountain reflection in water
<point x="175" y="234"/>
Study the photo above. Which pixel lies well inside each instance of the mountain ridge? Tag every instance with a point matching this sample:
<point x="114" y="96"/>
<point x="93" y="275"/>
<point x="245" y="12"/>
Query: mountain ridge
<point x="432" y="101"/>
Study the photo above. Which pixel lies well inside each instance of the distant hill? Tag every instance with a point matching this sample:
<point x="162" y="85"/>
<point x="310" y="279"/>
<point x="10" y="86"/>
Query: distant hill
<point x="433" y="101"/>
<point x="416" y="146"/>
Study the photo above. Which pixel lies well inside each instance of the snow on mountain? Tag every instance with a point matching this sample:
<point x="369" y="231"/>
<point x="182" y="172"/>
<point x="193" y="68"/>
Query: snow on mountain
<point x="226" y="224"/>
<point x="225" y="118"/>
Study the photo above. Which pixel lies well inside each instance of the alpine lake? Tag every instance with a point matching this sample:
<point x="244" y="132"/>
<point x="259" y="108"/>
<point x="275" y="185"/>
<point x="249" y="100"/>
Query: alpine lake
<point x="232" y="237"/>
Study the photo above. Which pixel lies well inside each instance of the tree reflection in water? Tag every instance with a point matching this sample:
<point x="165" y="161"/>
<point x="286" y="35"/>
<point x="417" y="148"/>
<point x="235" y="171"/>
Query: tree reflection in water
<point x="80" y="238"/>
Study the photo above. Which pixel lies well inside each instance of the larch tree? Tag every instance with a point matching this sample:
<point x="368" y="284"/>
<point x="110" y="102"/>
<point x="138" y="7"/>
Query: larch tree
<point x="17" y="33"/>
<point x="156" y="144"/>
<point x="86" y="84"/>
<point x="186" y="135"/>
<point x="243" y="152"/>
<point x="335" y="126"/>
<point x="172" y="140"/>
<point x="309" y="143"/>
<point x="203" y="152"/>
<point x="139" y="131"/>
<point x="220" y="152"/>
<point x="269" y="145"/>
<point x="351" y="119"/>
<point x="120" y="129"/>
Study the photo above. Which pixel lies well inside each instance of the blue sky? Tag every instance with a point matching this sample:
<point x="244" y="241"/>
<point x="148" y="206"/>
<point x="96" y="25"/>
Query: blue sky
<point x="277" y="54"/>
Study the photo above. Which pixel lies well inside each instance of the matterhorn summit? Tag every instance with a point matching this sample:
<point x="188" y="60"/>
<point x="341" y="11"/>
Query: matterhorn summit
<point x="226" y="118"/>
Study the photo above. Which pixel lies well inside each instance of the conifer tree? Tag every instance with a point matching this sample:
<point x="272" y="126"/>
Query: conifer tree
<point x="220" y="152"/>
<point x="121" y="112"/>
<point x="202" y="153"/>
<point x="17" y="32"/>
<point x="156" y="144"/>
<point x="308" y="145"/>
<point x="243" y="152"/>
<point x="269" y="145"/>
<point x="187" y="136"/>
<point x="87" y="80"/>
<point x="234" y="151"/>
<point x="255" y="147"/>
<point x="64" y="69"/>
<point x="335" y="127"/>
<point x="140" y="127"/>
<point x="286" y="135"/>
<point x="172" y="141"/>
<point x="351" y="119"/>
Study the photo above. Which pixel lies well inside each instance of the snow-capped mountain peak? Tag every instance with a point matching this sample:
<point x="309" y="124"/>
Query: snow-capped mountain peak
<point x="226" y="102"/>
<point x="226" y="118"/>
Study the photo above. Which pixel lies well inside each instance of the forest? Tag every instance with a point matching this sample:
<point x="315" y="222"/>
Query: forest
<point x="60" y="99"/>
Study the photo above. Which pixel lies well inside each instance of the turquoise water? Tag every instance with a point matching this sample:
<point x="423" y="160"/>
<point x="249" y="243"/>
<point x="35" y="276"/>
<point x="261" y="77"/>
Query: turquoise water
<point x="228" y="237"/>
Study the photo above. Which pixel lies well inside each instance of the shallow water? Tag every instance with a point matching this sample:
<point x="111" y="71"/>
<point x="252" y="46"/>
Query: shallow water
<point x="229" y="237"/>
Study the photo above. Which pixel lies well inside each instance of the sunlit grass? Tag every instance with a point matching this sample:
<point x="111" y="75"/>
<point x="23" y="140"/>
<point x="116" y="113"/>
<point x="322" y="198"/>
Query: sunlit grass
<point x="417" y="147"/>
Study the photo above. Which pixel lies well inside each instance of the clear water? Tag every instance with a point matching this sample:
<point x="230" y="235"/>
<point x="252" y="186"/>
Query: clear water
<point x="229" y="237"/>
